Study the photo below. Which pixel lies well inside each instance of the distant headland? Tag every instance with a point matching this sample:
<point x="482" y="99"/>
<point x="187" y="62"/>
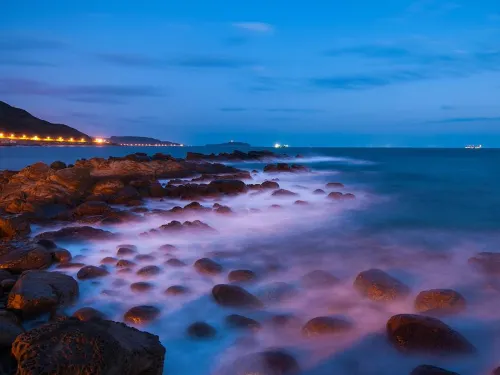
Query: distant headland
<point x="131" y="139"/>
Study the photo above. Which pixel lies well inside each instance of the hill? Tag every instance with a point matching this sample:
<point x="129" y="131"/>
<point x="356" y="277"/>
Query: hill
<point x="18" y="121"/>
<point x="135" y="139"/>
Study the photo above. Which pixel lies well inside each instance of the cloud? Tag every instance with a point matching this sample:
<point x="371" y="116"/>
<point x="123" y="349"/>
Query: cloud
<point x="456" y="120"/>
<point x="294" y="110"/>
<point x="233" y="109"/>
<point x="132" y="60"/>
<point x="447" y="107"/>
<point x="24" y="62"/>
<point x="257" y="27"/>
<point x="83" y="93"/>
<point x="211" y="62"/>
<point x="29" y="43"/>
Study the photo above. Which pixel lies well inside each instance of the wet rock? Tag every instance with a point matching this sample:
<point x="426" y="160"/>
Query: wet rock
<point x="4" y="275"/>
<point x="30" y="257"/>
<point x="319" y="192"/>
<point x="91" y="272"/>
<point x="201" y="330"/>
<point x="7" y="284"/>
<point x="301" y="203"/>
<point x="10" y="328"/>
<point x="283" y="193"/>
<point x="174" y="262"/>
<point x="144" y="258"/>
<point x="168" y="247"/>
<point x="377" y="285"/>
<point x="229" y="187"/>
<point x="242" y="322"/>
<point x="176" y="290"/>
<point x="91" y="347"/>
<point x="283" y="167"/>
<point x="319" y="279"/>
<point x="270" y="185"/>
<point x="13" y="226"/>
<point x="270" y="362"/>
<point x="440" y="301"/>
<point x="125" y="195"/>
<point x="48" y="244"/>
<point x="431" y="370"/>
<point x="86" y="314"/>
<point x="107" y="187"/>
<point x="224" y="210"/>
<point x="124" y="263"/>
<point x="62" y="255"/>
<point x="71" y="234"/>
<point x="486" y="262"/>
<point x="124" y="251"/>
<point x="38" y="292"/>
<point x="141" y="314"/>
<point x="325" y="325"/>
<point x="109" y="260"/>
<point x="177" y="226"/>
<point x="70" y="265"/>
<point x="94" y="208"/>
<point x="275" y="207"/>
<point x="238" y="276"/>
<point x="207" y="266"/>
<point x="58" y="165"/>
<point x="149" y="271"/>
<point x="334" y="185"/>
<point x="423" y="334"/>
<point x="234" y="296"/>
<point x="140" y="287"/>
<point x="195" y="206"/>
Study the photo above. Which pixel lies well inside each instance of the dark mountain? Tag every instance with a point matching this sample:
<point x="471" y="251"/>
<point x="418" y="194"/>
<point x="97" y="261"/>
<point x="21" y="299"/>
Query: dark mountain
<point x="134" y="139"/>
<point x="18" y="121"/>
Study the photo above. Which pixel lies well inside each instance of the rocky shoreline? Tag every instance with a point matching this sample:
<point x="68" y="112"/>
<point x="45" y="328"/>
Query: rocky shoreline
<point x="70" y="203"/>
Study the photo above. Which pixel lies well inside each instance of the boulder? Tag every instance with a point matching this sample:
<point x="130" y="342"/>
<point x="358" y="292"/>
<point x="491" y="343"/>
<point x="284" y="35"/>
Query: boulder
<point x="141" y="314"/>
<point x="201" y="330"/>
<point x="107" y="187"/>
<point x="61" y="255"/>
<point x="91" y="272"/>
<point x="94" y="208"/>
<point x="76" y="180"/>
<point x="30" y="257"/>
<point x="319" y="279"/>
<point x="270" y="185"/>
<point x="423" y="334"/>
<point x="13" y="226"/>
<point x="125" y="195"/>
<point x="325" y="325"/>
<point x="283" y="167"/>
<point x="141" y="286"/>
<point x="124" y="251"/>
<point x="48" y="244"/>
<point x="77" y="234"/>
<point x="90" y="347"/>
<point x="269" y="362"/>
<point x="174" y="262"/>
<point x="176" y="290"/>
<point x="149" y="271"/>
<point x="486" y="262"/>
<point x="234" y="296"/>
<point x="10" y="328"/>
<point x="377" y="285"/>
<point x="319" y="192"/>
<point x="440" y="301"/>
<point x="39" y="292"/>
<point x="207" y="266"/>
<point x="238" y="276"/>
<point x="283" y="193"/>
<point x="334" y="185"/>
<point x="229" y="187"/>
<point x="58" y="165"/>
<point x="431" y="370"/>
<point x="242" y="322"/>
<point x="88" y="313"/>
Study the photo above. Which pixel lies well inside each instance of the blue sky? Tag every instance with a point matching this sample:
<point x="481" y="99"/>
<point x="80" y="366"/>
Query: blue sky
<point x="319" y="73"/>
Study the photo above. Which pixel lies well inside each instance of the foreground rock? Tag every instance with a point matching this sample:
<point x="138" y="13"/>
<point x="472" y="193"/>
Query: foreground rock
<point x="91" y="272"/>
<point x="235" y="155"/>
<point x="13" y="226"/>
<point x="207" y="266"/>
<point x="242" y="322"/>
<point x="176" y="226"/>
<point x="141" y="314"/>
<point x="423" y="334"/>
<point x="234" y="296"/>
<point x="39" y="292"/>
<point x="88" y="313"/>
<point x="486" y="262"/>
<point x="10" y="328"/>
<point x="377" y="285"/>
<point x="91" y="347"/>
<point x="270" y="362"/>
<point x="325" y="325"/>
<point x="78" y="234"/>
<point x="30" y="257"/>
<point x="440" y="301"/>
<point x="283" y="167"/>
<point x="201" y="330"/>
<point x="431" y="370"/>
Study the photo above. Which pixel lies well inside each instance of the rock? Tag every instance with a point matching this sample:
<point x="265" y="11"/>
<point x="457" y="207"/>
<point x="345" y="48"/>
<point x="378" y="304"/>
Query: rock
<point x="242" y="322"/>
<point x="194" y="206"/>
<point x="141" y="287"/>
<point x="207" y="266"/>
<point x="177" y="226"/>
<point x="176" y="290"/>
<point x="58" y="165"/>
<point x="423" y="334"/>
<point x="441" y="301"/>
<point x="13" y="226"/>
<point x="124" y="251"/>
<point x="334" y="185"/>
<point x="125" y="195"/>
<point x="269" y="362"/>
<point x="234" y="296"/>
<point x="174" y="262"/>
<point x="283" y="167"/>
<point x="70" y="265"/>
<point x="93" y="208"/>
<point x="319" y="192"/>
<point x="301" y="203"/>
<point x="91" y="272"/>
<point x="319" y="279"/>
<point x="77" y="234"/>
<point x="275" y="207"/>
<point x="9" y="329"/>
<point x="149" y="271"/>
<point x="61" y="255"/>
<point x="486" y="262"/>
<point x="86" y="314"/>
<point x="238" y="276"/>
<point x="109" y="260"/>
<point x="30" y="257"/>
<point x="270" y="185"/>
<point x="39" y="292"/>
<point x="325" y="325"/>
<point x="224" y="210"/>
<point x="107" y="187"/>
<point x="144" y="258"/>
<point x="377" y="285"/>
<point x="201" y="330"/>
<point x="48" y="244"/>
<point x="431" y="370"/>
<point x="229" y="187"/>
<point x="124" y="263"/>
<point x="168" y="247"/>
<point x="91" y="347"/>
<point x="7" y="284"/>
<point x="283" y="193"/>
<point x="141" y="314"/>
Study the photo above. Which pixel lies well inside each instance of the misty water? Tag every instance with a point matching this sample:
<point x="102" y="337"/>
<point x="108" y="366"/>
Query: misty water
<point x="418" y="215"/>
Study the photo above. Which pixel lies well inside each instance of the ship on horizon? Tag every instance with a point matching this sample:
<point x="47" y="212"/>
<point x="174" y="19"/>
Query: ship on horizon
<point x="475" y="147"/>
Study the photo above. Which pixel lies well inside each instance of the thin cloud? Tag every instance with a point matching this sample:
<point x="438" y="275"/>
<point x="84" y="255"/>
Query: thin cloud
<point x="447" y="107"/>
<point x="211" y="62"/>
<point x="294" y="110"/>
<point x="132" y="60"/>
<point x="29" y="43"/>
<point x="455" y="120"/>
<point x="257" y="27"/>
<point x="25" y="62"/>
<point x="233" y="109"/>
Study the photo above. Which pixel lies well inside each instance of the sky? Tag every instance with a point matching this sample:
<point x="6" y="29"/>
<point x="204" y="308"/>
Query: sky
<point x="306" y="73"/>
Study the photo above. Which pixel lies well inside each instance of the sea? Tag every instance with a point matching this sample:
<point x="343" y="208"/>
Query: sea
<point x="419" y="215"/>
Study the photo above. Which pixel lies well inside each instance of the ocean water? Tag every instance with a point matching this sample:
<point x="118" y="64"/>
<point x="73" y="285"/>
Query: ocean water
<point x="419" y="214"/>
